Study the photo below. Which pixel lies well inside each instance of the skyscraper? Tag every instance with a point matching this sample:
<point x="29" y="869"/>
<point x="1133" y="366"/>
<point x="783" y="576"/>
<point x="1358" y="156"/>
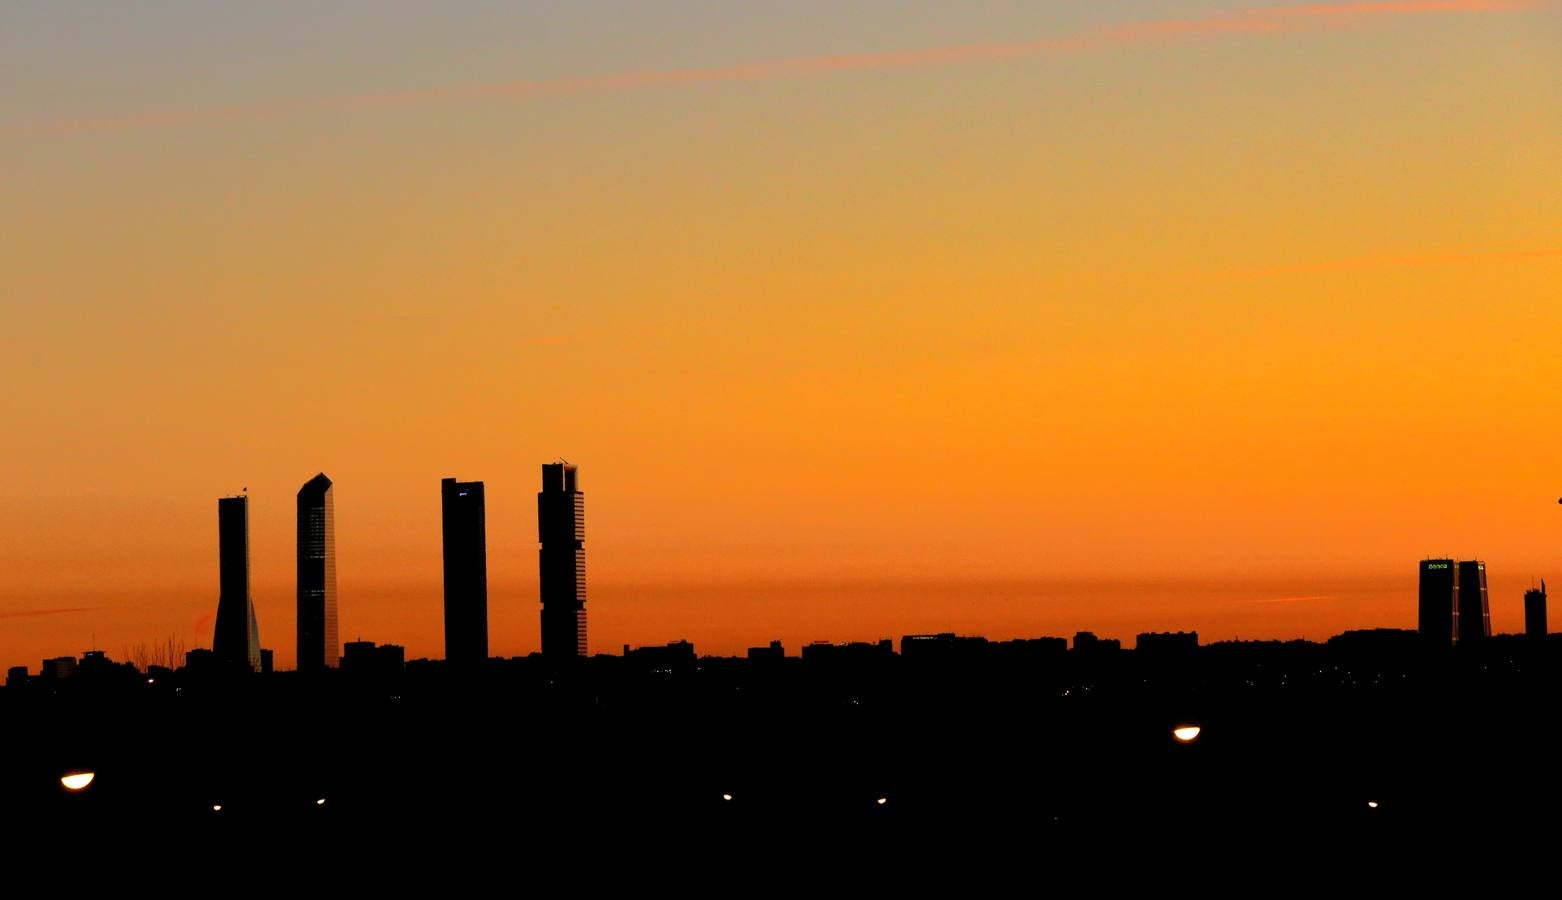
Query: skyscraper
<point x="1474" y="614"/>
<point x="1438" y="609"/>
<point x="236" y="640"/>
<point x="466" y="573"/>
<point x="1535" y="611"/>
<point x="318" y="644"/>
<point x="561" y="529"/>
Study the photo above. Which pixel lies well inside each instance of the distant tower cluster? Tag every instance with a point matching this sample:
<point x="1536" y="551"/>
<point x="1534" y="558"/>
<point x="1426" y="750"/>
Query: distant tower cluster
<point x="561" y="533"/>
<point x="236" y="639"/>
<point x="466" y="573"/>
<point x="561" y="530"/>
<point x="319" y="646"/>
<point x="1452" y="606"/>
<point x="1535" y="612"/>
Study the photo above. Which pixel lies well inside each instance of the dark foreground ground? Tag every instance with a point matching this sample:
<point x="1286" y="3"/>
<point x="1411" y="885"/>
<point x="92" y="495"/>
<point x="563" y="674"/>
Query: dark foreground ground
<point x="1304" y="758"/>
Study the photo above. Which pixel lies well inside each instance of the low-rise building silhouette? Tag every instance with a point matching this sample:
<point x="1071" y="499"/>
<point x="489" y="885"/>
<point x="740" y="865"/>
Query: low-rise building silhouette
<point x="58" y="669"/>
<point x="1166" y="643"/>
<point x="1086" y="642"/>
<point x="943" y="647"/>
<point x="773" y="653"/>
<point x="1377" y="641"/>
<point x="1031" y="650"/>
<point x="201" y="662"/>
<point x="676" y="657"/>
<point x="364" y="658"/>
<point x="824" y="653"/>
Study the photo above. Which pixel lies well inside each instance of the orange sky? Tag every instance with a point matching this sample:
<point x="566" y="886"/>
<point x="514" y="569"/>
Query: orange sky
<point x="1223" y="331"/>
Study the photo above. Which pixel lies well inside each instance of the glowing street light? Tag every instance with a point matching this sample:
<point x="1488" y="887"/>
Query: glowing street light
<point x="1372" y="804"/>
<point x="77" y="781"/>
<point x="1186" y="734"/>
<point x="727" y="797"/>
<point x="320" y="802"/>
<point x="882" y="800"/>
<point x="216" y="807"/>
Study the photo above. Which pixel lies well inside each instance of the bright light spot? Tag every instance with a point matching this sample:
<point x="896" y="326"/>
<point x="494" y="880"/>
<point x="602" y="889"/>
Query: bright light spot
<point x="1187" y="734"/>
<point x="1372" y="804"/>
<point x="216" y="807"/>
<point x="882" y="800"/>
<point x="726" y="796"/>
<point x="77" y="781"/>
<point x="151" y="681"/>
<point x="320" y="802"/>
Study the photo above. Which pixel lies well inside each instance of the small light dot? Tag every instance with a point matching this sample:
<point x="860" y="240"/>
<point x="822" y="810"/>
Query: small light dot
<point x="883" y="800"/>
<point x="1186" y="734"/>
<point x="726" y="796"/>
<point x="320" y="802"/>
<point x="216" y="807"/>
<point x="1372" y="804"/>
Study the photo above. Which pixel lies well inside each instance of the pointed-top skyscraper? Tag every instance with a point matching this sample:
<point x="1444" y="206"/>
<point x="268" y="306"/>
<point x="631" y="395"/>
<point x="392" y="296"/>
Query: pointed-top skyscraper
<point x="319" y="646"/>
<point x="561" y="529"/>
<point x="236" y="639"/>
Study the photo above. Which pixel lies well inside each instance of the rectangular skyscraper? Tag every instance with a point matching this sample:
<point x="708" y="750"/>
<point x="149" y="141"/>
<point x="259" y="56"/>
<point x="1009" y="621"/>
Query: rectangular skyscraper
<point x="319" y="646"/>
<point x="466" y="573"/>
<point x="561" y="529"/>
<point x="236" y="639"/>
<point x="1438" y="609"/>
<point x="1535" y="612"/>
<point x="1474" y="614"/>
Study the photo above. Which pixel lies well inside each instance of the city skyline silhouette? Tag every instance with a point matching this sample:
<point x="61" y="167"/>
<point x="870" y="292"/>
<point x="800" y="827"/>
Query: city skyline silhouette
<point x="1099" y="440"/>
<point x="1008" y="319"/>
<point x="1451" y="605"/>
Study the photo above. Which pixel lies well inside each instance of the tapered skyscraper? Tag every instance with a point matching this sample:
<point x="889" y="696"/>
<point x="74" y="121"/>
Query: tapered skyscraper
<point x="319" y="646"/>
<point x="466" y="573"/>
<point x="236" y="639"/>
<point x="561" y="529"/>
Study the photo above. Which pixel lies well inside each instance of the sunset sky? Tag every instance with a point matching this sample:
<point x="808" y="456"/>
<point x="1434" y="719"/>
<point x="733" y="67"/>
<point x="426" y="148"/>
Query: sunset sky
<point x="860" y="319"/>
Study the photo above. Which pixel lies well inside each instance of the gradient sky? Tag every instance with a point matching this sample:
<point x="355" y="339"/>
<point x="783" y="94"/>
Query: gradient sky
<point x="860" y="319"/>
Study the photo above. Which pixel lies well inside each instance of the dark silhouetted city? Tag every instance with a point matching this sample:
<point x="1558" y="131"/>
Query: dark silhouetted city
<point x="1031" y="447"/>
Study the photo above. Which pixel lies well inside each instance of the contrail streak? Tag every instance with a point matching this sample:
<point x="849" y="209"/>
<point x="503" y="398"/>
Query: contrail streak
<point x="29" y="613"/>
<point x="1258" y="20"/>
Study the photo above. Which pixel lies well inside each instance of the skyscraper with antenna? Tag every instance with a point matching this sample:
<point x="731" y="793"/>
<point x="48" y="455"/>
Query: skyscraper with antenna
<point x="1535" y="611"/>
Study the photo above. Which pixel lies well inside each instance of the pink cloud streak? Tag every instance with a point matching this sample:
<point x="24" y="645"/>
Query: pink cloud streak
<point x="1258" y="20"/>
